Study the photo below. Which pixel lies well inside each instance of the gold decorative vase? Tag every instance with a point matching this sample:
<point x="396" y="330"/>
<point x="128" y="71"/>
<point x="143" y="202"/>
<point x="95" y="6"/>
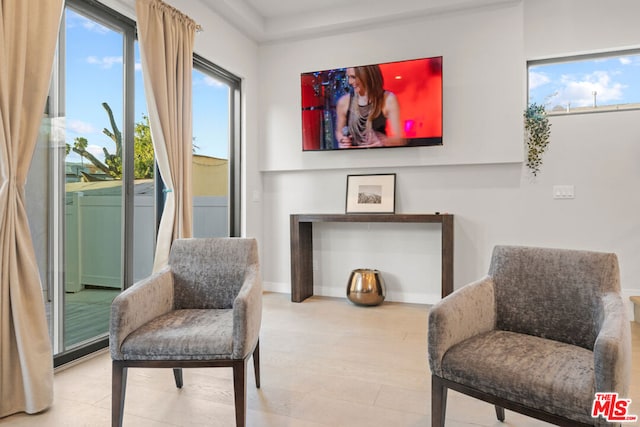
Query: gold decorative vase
<point x="366" y="287"/>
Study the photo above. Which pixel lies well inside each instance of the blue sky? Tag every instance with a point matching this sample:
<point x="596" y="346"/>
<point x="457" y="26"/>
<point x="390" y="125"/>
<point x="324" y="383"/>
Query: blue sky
<point x="615" y="81"/>
<point x="94" y="71"/>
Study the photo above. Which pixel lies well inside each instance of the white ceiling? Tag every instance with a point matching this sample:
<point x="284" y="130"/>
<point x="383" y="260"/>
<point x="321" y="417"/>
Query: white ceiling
<point x="270" y="20"/>
<point x="276" y="8"/>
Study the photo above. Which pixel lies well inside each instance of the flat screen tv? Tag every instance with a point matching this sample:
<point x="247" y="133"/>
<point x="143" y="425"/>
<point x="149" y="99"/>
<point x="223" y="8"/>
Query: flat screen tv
<point x="395" y="104"/>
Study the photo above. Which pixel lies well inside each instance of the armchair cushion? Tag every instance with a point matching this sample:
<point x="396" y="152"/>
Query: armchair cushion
<point x="195" y="334"/>
<point x="528" y="279"/>
<point x="209" y="273"/>
<point x="535" y="372"/>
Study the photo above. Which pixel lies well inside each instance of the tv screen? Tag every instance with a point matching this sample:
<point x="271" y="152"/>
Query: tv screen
<point x="395" y="104"/>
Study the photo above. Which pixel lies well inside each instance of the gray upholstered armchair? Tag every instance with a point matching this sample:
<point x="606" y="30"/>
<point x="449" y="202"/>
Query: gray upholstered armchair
<point x="203" y="310"/>
<point x="541" y="334"/>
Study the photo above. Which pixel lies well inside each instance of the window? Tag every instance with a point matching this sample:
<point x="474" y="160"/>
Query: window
<point x="216" y="142"/>
<point x="586" y="83"/>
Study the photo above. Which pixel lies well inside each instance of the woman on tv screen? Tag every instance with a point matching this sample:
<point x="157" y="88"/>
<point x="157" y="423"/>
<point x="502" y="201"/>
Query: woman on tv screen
<point x="369" y="116"/>
<point x="393" y="104"/>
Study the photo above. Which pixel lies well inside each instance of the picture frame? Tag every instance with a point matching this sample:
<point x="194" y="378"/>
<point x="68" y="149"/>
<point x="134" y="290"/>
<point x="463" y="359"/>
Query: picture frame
<point x="371" y="193"/>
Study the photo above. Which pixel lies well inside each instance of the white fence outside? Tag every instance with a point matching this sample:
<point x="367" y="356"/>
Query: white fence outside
<point x="93" y="245"/>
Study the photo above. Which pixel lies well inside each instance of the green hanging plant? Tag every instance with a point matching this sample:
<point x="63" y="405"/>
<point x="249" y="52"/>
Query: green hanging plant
<point x="538" y="132"/>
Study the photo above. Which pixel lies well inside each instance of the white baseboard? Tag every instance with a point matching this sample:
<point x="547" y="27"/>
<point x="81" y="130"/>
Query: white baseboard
<point x="412" y="298"/>
<point x="277" y="287"/>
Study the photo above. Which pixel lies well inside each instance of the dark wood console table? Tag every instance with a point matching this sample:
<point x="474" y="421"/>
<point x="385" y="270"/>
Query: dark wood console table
<point x="302" y="245"/>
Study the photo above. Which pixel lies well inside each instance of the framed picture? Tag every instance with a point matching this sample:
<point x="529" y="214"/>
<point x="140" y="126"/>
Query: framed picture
<point x="371" y="193"/>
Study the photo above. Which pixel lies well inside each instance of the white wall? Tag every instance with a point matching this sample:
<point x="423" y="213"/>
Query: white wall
<point x="482" y="71"/>
<point x="558" y="28"/>
<point x="478" y="174"/>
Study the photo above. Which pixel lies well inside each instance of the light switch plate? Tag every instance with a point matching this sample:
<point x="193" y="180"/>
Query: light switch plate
<point x="563" y="192"/>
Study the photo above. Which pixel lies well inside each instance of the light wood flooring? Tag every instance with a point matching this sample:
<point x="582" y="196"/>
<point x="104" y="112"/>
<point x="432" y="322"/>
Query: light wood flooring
<point x="325" y="362"/>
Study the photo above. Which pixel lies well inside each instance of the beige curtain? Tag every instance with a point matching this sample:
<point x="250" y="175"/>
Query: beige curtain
<point x="166" y="47"/>
<point x="28" y="33"/>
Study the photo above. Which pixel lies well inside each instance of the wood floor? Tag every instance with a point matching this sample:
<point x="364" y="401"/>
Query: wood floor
<point x="325" y="362"/>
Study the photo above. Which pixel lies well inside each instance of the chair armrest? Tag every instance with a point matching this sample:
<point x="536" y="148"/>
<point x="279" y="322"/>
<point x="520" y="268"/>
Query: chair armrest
<point x="247" y="314"/>
<point x="612" y="349"/>
<point x="144" y="301"/>
<point x="466" y="312"/>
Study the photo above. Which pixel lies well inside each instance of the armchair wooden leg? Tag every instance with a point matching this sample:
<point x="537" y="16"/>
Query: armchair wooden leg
<point x="240" y="391"/>
<point x="256" y="363"/>
<point x="177" y="374"/>
<point x="118" y="388"/>
<point x="438" y="402"/>
<point x="500" y="413"/>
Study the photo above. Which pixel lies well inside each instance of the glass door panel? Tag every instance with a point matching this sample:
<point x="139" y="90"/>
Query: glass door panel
<point x="93" y="176"/>
<point x="83" y="220"/>
<point x="211" y="143"/>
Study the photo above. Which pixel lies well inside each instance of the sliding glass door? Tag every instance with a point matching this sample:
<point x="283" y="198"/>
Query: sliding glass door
<point x="92" y="191"/>
<point x="99" y="178"/>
